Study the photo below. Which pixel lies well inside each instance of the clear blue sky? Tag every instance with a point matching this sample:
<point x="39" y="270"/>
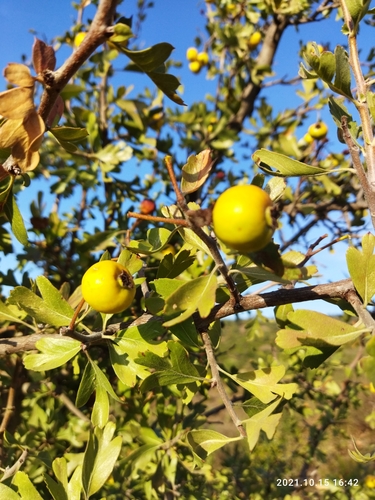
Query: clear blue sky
<point x="177" y="22"/>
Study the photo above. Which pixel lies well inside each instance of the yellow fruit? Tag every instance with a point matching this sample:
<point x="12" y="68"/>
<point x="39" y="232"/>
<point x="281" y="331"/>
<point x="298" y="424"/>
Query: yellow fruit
<point x="108" y="287"/>
<point x="191" y="54"/>
<point x="308" y="139"/>
<point x="203" y="58"/>
<point x="241" y="218"/>
<point x="255" y="39"/>
<point x="195" y="66"/>
<point x="78" y="39"/>
<point x="318" y="130"/>
<point x="169" y="249"/>
<point x="370" y="481"/>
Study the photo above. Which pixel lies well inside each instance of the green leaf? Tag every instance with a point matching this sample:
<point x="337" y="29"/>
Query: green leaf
<point x="264" y="383"/>
<point x="69" y="134"/>
<point x="177" y="370"/>
<point x="151" y="61"/>
<point x="168" y="85"/>
<point x="338" y="110"/>
<point x="187" y="333"/>
<point x="75" y="484"/>
<point x="122" y="33"/>
<point x="318" y="333"/>
<point x="198" y="294"/>
<point x="53" y="298"/>
<point x="343" y="76"/>
<point x="361" y="266"/>
<point x="102" y="382"/>
<point x="265" y="421"/>
<point x="204" y="442"/>
<point x="129" y="345"/>
<point x="131" y="261"/>
<point x="55" y="488"/>
<point x="15" y="219"/>
<point x="8" y="314"/>
<point x="86" y="386"/>
<point x="196" y="171"/>
<point x="37" y="307"/>
<point x="157" y="238"/>
<point x="7" y="493"/>
<point x="151" y="58"/>
<point x="54" y="352"/>
<point x="285" y="166"/>
<point x="100" y="411"/>
<point x="171" y="267"/>
<point x="26" y="489"/>
<point x="100" y="458"/>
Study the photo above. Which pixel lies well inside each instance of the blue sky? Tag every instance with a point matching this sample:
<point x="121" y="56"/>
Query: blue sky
<point x="21" y="19"/>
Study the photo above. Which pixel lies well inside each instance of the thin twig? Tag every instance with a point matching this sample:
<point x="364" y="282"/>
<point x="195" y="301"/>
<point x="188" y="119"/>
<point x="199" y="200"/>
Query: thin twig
<point x="10" y="471"/>
<point x="209" y="242"/>
<point x="219" y="384"/>
<point x="354" y="153"/>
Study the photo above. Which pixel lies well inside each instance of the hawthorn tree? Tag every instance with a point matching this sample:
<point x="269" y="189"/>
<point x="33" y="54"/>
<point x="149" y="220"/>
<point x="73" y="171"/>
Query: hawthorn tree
<point x="137" y="404"/>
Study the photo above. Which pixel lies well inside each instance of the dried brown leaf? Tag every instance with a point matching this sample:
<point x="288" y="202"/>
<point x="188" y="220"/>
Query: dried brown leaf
<point x="12" y="131"/>
<point x="56" y="112"/>
<point x="19" y="74"/>
<point x="35" y="128"/>
<point x="43" y="56"/>
<point x="196" y="171"/>
<point x="16" y="103"/>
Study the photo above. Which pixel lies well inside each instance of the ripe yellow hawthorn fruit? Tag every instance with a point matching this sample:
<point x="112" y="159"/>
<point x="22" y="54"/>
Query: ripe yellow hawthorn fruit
<point x="191" y="54"/>
<point x="241" y="218"/>
<point x="78" y="39"/>
<point x="255" y="39"/>
<point x="308" y="139"/>
<point x="108" y="287"/>
<point x="203" y="58"/>
<point x="195" y="66"/>
<point x="318" y="130"/>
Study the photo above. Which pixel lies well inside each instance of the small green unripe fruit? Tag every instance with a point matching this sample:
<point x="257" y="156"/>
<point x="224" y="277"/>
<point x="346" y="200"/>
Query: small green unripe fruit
<point x="241" y="218"/>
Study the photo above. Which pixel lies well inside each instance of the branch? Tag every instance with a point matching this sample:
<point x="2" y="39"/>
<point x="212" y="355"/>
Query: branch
<point x="96" y="36"/>
<point x="264" y="59"/>
<point x="217" y="382"/>
<point x="339" y="290"/>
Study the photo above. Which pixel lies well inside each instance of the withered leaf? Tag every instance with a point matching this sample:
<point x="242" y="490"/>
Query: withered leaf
<point x="43" y="56"/>
<point x="35" y="127"/>
<point x="12" y="131"/>
<point x="16" y="103"/>
<point x="195" y="171"/>
<point x="56" y="112"/>
<point x="19" y="74"/>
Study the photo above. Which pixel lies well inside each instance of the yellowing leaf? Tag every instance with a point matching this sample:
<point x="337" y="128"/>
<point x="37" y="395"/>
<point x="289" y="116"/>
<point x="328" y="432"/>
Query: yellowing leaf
<point x="196" y="170"/>
<point x="361" y="266"/>
<point x="16" y="103"/>
<point x="264" y="383"/>
<point x="19" y="74"/>
<point x="264" y="421"/>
